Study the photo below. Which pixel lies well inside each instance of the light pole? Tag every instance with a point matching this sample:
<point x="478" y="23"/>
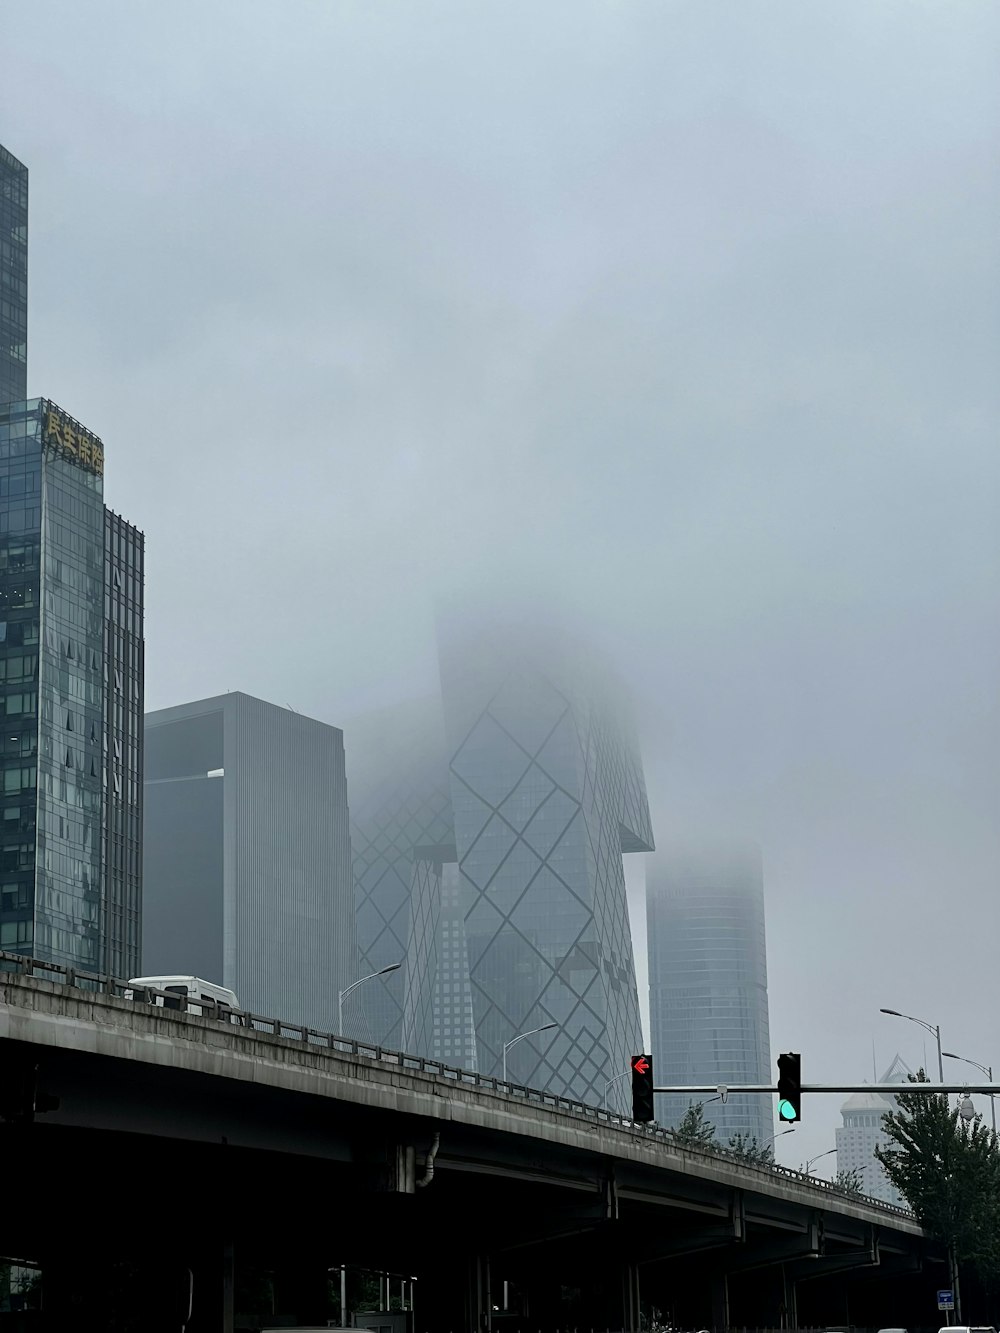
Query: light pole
<point x="520" y="1037"/>
<point x="789" y="1130"/>
<point x="610" y="1083"/>
<point x="809" y="1164"/>
<point x="988" y="1071"/>
<point x="342" y="995"/>
<point x="935" y="1028"/>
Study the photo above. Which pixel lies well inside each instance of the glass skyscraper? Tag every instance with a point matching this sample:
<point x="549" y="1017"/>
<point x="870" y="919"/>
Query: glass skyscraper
<point x="13" y="278"/>
<point x="489" y="856"/>
<point x="71" y="666"/>
<point x="548" y="792"/>
<point x="708" y="983"/>
<point x="402" y="837"/>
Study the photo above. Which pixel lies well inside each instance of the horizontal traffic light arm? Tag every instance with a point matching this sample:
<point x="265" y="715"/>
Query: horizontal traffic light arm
<point x="891" y="1089"/>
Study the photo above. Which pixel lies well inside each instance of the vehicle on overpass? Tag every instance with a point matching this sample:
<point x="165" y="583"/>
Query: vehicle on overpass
<point x="167" y="993"/>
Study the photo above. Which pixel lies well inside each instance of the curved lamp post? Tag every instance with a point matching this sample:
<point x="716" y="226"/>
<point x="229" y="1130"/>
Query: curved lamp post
<point x="987" y="1070"/>
<point x="809" y="1164"/>
<point x="934" y="1028"/>
<point x="520" y="1037"/>
<point x="342" y="995"/>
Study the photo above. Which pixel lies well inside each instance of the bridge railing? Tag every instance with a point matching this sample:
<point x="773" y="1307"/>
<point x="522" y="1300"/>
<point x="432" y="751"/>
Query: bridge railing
<point x="264" y="1026"/>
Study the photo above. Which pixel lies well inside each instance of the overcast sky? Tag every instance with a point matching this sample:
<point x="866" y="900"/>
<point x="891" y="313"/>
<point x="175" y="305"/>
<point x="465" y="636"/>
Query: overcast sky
<point x="687" y="310"/>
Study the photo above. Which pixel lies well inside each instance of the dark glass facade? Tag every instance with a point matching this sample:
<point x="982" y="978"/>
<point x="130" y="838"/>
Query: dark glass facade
<point x="121" y="911"/>
<point x="55" y="889"/>
<point x="13" y="278"/>
<point x="247" y="855"/>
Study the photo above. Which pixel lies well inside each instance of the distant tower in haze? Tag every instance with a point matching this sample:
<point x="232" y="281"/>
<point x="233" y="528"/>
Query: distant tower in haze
<point x="708" y="982"/>
<point x="402" y="837"/>
<point x="488" y="827"/>
<point x="548" y="792"/>
<point x="862" y="1132"/>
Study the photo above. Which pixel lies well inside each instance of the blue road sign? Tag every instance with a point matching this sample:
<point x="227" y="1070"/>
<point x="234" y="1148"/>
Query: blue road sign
<point x="946" y="1300"/>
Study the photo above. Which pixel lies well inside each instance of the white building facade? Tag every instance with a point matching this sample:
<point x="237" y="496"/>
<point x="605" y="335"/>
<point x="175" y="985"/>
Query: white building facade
<point x="862" y="1132"/>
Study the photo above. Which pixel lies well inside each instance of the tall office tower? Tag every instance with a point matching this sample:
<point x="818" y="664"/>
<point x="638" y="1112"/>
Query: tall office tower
<point x="547" y="793"/>
<point x="402" y="835"/>
<point x="708" y="982"/>
<point x="71" y="667"/>
<point x="862" y="1132"/>
<point x="247" y="855"/>
<point x="13" y="279"/>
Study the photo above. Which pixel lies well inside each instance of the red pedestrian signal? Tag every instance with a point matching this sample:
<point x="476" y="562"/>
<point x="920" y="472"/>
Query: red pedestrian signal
<point x="642" y="1089"/>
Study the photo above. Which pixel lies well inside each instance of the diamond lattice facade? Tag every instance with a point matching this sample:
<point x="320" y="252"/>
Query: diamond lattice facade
<point x="494" y="866"/>
<point x="547" y="792"/>
<point x="401" y="836"/>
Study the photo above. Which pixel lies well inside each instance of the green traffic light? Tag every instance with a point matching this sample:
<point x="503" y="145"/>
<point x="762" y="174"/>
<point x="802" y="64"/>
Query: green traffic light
<point x="786" y="1111"/>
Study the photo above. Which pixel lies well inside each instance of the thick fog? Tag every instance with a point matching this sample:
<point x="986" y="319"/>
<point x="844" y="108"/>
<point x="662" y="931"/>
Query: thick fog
<point x="684" y="315"/>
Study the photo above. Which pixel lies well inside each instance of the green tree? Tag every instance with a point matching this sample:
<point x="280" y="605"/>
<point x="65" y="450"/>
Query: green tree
<point x="948" y="1170"/>
<point x="849" y="1181"/>
<point x="694" y="1128"/>
<point x="747" y="1149"/>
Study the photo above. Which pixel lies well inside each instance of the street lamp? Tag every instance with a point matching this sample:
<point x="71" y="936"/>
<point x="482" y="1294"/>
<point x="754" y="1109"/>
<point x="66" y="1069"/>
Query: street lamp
<point x="988" y="1071"/>
<point x="610" y="1083"/>
<point x="935" y="1028"/>
<point x="342" y="995"/>
<point x="789" y="1130"/>
<point x="520" y="1037"/>
<point x="809" y="1164"/>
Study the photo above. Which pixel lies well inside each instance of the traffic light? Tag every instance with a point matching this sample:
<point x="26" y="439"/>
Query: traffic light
<point x="642" y="1089"/>
<point x="790" y="1088"/>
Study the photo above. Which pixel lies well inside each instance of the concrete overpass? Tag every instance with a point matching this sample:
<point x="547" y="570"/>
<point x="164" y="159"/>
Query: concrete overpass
<point x="257" y="1156"/>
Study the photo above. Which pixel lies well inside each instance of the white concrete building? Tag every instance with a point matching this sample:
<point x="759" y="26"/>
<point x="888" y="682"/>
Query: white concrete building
<point x="862" y="1132"/>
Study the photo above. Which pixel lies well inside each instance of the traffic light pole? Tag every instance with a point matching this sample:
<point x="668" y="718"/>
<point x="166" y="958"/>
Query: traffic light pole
<point x="887" y="1089"/>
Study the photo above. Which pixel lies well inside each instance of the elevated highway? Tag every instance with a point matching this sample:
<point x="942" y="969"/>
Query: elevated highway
<point x="231" y="1150"/>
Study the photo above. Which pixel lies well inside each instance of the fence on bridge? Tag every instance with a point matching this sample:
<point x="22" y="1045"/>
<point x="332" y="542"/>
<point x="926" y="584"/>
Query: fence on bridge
<point x="100" y="983"/>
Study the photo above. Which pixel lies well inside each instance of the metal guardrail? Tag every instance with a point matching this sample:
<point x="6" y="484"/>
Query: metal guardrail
<point x="263" y="1026"/>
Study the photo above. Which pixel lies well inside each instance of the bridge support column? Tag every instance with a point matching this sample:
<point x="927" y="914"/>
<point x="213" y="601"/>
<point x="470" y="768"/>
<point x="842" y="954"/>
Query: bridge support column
<point x="478" y="1297"/>
<point x="720" y="1302"/>
<point x="228" y="1287"/>
<point x="630" y="1297"/>
<point x="789" y="1299"/>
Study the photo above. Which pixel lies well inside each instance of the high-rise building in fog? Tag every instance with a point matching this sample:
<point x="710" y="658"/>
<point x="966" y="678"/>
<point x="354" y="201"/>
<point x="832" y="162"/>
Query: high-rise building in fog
<point x="71" y="666"/>
<point x="402" y="835"/>
<point x="13" y="278"/>
<point x="862" y="1132"/>
<point x="247" y="855"/>
<point x="490" y="856"/>
<point x="708" y="982"/>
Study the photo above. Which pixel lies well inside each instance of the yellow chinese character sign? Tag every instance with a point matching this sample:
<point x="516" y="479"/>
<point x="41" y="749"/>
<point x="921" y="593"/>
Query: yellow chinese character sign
<point x="67" y="438"/>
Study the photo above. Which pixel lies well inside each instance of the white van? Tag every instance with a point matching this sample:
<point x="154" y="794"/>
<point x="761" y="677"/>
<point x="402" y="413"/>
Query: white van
<point x="218" y="1001"/>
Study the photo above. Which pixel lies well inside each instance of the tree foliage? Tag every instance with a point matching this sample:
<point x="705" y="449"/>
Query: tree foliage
<point x="948" y="1171"/>
<point x="849" y="1181"/>
<point x="747" y="1149"/>
<point x="694" y="1128"/>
